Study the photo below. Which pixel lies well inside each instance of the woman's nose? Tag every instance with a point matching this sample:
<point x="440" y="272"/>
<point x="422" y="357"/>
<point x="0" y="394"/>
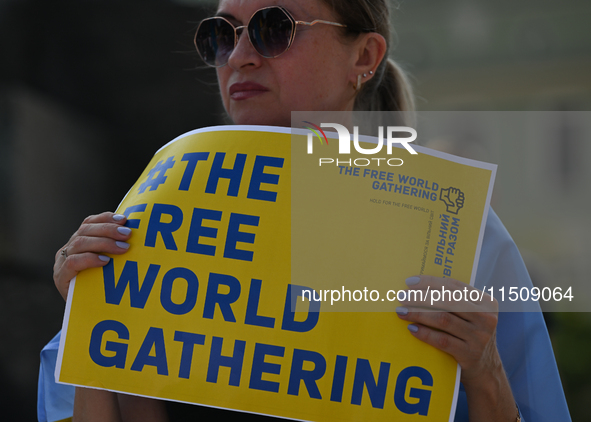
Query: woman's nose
<point x="244" y="53"/>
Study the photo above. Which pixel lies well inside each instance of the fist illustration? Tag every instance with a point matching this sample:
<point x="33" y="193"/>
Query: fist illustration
<point x="453" y="199"/>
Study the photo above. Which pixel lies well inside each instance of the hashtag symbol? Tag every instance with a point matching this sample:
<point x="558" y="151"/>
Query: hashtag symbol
<point x="154" y="181"/>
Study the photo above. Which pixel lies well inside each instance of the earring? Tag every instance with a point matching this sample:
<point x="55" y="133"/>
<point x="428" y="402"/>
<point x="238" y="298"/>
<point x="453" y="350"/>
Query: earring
<point x="365" y="75"/>
<point x="371" y="72"/>
<point x="358" y="86"/>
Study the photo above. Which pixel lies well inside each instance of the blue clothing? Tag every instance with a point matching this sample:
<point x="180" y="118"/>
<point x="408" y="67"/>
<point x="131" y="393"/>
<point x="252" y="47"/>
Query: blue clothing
<point x="522" y="338"/>
<point x="55" y="402"/>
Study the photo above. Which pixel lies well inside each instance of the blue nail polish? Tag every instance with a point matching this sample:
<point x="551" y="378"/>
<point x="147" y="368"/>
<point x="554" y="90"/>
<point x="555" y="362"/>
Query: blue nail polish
<point x="124" y="230"/>
<point x="122" y="245"/>
<point x="401" y="310"/>
<point x="411" y="281"/>
<point x="118" y="217"/>
<point x="104" y="258"/>
<point x="413" y="328"/>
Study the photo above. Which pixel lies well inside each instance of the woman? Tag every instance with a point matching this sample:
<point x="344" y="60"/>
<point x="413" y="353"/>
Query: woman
<point x="339" y="63"/>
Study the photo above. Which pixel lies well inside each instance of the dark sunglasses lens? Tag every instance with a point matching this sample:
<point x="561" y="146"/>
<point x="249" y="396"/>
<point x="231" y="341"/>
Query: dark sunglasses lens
<point x="270" y="31"/>
<point x="215" y="41"/>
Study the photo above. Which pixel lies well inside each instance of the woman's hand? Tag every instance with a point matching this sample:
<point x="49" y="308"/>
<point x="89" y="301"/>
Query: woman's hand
<point x="465" y="329"/>
<point x="97" y="235"/>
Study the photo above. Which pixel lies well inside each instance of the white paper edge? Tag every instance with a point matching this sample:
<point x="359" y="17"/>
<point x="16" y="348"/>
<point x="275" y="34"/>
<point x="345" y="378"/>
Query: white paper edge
<point x="60" y="351"/>
<point x="454" y="403"/>
<point x="483" y="224"/>
<point x="332" y="135"/>
<point x="275" y="129"/>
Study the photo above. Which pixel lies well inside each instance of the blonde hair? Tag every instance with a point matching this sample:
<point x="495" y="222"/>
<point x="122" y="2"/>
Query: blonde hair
<point x="389" y="89"/>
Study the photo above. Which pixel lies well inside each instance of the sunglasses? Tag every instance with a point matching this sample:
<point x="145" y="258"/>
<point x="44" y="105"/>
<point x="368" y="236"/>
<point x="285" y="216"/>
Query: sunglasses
<point x="271" y="31"/>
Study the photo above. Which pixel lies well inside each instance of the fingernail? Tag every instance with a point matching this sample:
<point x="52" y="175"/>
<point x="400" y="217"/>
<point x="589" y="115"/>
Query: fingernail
<point x="118" y="217"/>
<point x="124" y="230"/>
<point x="413" y="328"/>
<point x="411" y="281"/>
<point x="104" y="258"/>
<point x="401" y="310"/>
<point x="122" y="245"/>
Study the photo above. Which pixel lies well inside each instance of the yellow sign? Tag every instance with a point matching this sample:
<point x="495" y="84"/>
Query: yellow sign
<point x="235" y="230"/>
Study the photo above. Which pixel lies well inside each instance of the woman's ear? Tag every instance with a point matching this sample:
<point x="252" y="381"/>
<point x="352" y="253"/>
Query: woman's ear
<point x="370" y="49"/>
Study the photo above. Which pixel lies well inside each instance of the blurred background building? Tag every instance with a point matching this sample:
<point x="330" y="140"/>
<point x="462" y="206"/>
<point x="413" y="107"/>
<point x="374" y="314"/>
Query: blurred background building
<point x="90" y="89"/>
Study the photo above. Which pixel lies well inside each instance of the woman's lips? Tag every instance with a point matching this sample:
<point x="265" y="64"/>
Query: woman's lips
<point x="244" y="90"/>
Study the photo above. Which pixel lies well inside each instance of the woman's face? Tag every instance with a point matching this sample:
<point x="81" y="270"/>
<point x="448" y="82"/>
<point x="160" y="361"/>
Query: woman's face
<point x="314" y="74"/>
